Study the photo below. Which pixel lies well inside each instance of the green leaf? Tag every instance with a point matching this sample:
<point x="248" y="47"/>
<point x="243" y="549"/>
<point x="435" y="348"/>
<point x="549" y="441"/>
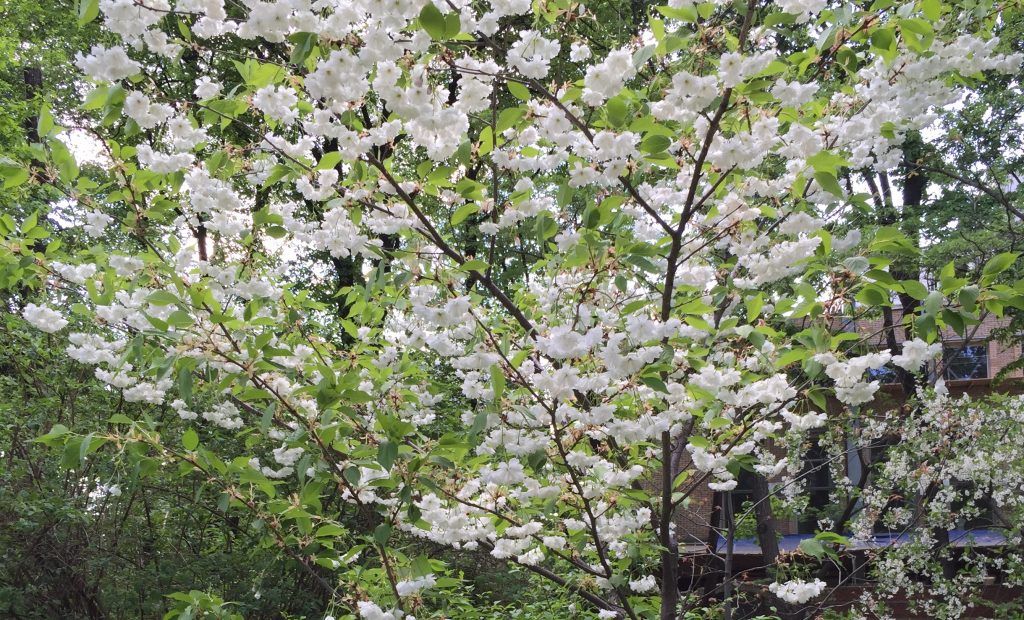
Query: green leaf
<point x="382" y="533"/>
<point x="330" y="530"/>
<point x="881" y="277"/>
<point x="954" y="320"/>
<point x="356" y="396"/>
<point x="699" y="442"/>
<point x="90" y="444"/>
<point x="452" y="25"/>
<point x="257" y="74"/>
<point x="915" y="289"/>
<point x="329" y="160"/>
<point x="873" y="295"/>
<point x="432" y="20"/>
<point x="475" y="265"/>
<point x="948" y="271"/>
<point x="302" y="46"/>
<point x="45" y="125"/>
<point x="828" y="182"/>
<point x="72" y="452"/>
<point x="817" y="396"/>
<point x="88" y="10"/>
<point x="827" y="161"/>
<point x="856" y="264"/>
<point x="812" y="547"/>
<point x="179" y="319"/>
<point x="832" y="538"/>
<point x="29" y="223"/>
<point x="616" y="111"/>
<point x="777" y="19"/>
<point x="999" y="263"/>
<point x="278" y="172"/>
<point x="351" y="475"/>
<point x="789" y="357"/>
<point x="387" y="452"/>
<point x="497" y="382"/>
<point x="161" y="298"/>
<point x="545" y="227"/>
<point x="932" y="9"/>
<point x="421" y="566"/>
<point x="463" y="212"/>
<point x="57" y="431"/>
<point x="12" y="173"/>
<point x="564" y="195"/>
<point x="968" y="298"/>
<point x="65" y="162"/>
<point x="684" y="13"/>
<point x="486" y="141"/>
<point x="655" y="384"/>
<point x="185" y="385"/>
<point x="395" y="428"/>
<point x="190" y="439"/>
<point x="507" y="118"/>
<point x="754" y="305"/>
<point x="518" y="91"/>
<point x="642" y="263"/>
<point x="919" y="27"/>
<point x="655" y="144"/>
<point x="883" y="42"/>
<point x="642" y="55"/>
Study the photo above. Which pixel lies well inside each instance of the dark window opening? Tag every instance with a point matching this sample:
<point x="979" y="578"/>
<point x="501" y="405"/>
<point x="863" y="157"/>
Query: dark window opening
<point x="817" y="475"/>
<point x="742" y="496"/>
<point x="896" y="503"/>
<point x="885" y="374"/>
<point x="975" y="512"/>
<point x="966" y="362"/>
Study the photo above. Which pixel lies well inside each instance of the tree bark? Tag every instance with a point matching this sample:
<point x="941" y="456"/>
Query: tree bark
<point x="670" y="546"/>
<point x="33" y="79"/>
<point x="766" y="531"/>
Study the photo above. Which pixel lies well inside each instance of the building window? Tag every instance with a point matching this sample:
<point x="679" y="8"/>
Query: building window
<point x="897" y="503"/>
<point x="976" y="510"/>
<point x="818" y="476"/>
<point x="742" y="497"/>
<point x="885" y="374"/>
<point x="966" y="362"/>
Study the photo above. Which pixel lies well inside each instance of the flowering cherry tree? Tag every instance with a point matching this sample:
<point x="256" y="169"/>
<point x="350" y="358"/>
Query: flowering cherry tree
<point x="582" y="262"/>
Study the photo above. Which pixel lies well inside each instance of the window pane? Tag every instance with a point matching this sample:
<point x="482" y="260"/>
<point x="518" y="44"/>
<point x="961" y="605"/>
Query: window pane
<point x="885" y="374"/>
<point x="970" y="362"/>
<point x="742" y="495"/>
<point x="818" y="476"/>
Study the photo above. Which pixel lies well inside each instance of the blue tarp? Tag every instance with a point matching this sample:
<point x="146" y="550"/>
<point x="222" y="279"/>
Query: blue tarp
<point x="957" y="538"/>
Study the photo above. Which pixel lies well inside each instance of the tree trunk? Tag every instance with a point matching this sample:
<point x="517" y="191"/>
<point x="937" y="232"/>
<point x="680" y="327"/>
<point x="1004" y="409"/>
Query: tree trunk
<point x="33" y="78"/>
<point x="670" y="546"/>
<point x="766" y="532"/>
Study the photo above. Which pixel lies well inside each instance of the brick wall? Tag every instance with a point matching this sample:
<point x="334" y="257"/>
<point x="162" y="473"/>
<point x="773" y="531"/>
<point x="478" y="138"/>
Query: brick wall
<point x="999" y="355"/>
<point x="694" y="519"/>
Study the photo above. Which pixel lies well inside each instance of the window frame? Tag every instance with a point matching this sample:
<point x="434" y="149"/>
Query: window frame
<point x="817" y="468"/>
<point x="952" y="352"/>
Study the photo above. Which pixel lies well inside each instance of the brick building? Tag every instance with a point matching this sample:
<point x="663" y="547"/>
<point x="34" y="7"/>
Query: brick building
<point x="969" y="364"/>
